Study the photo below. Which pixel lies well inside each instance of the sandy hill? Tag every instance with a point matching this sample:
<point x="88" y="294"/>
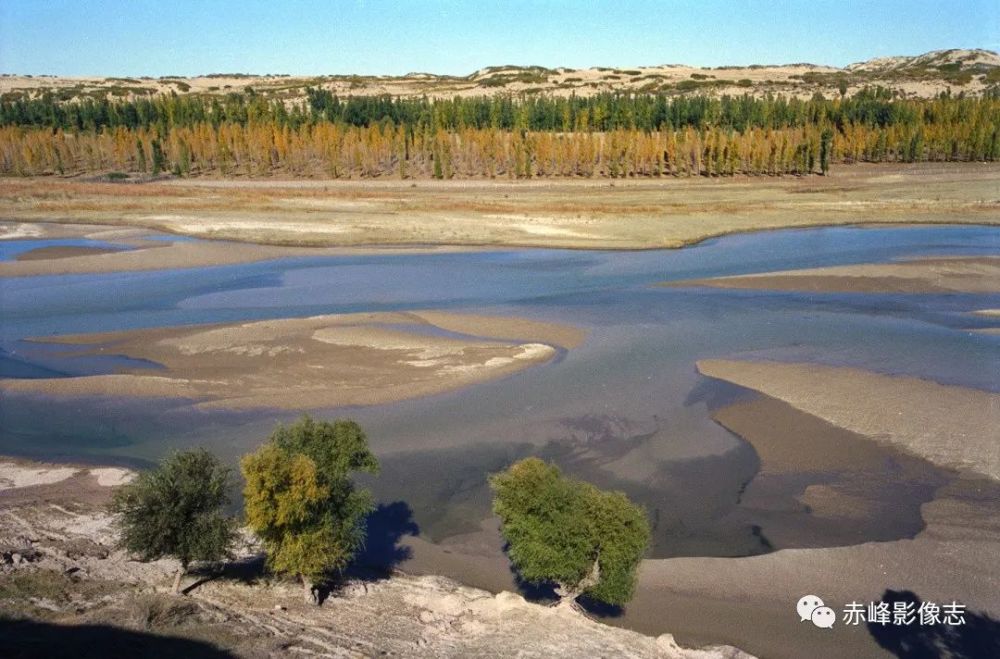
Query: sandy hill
<point x="975" y="59"/>
<point x="968" y="71"/>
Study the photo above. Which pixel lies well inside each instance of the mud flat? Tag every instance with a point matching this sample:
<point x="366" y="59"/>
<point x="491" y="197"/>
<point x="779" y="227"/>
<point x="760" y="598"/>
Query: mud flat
<point x="312" y="363"/>
<point x="581" y="214"/>
<point x="930" y="275"/>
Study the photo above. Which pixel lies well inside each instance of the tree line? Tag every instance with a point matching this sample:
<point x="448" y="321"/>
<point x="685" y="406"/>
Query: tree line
<point x="605" y="136"/>
<point x="301" y="503"/>
<point x="530" y="112"/>
<point x="334" y="151"/>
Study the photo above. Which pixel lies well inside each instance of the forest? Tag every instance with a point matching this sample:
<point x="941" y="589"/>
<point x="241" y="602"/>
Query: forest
<point x="608" y="135"/>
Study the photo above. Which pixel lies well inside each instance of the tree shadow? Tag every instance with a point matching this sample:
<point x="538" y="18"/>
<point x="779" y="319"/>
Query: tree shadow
<point x="386" y="526"/>
<point x="978" y="638"/>
<point x="246" y="570"/>
<point x="539" y="593"/>
<point x="545" y="593"/>
<point x="28" y="639"/>
<point x="382" y="553"/>
<point x="600" y="609"/>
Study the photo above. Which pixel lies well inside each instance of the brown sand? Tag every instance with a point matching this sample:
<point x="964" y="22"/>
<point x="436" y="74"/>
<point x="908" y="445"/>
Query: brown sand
<point x="310" y="363"/>
<point x="45" y="253"/>
<point x="931" y="275"/>
<point x="949" y="426"/>
<point x="23" y="482"/>
<point x="584" y="214"/>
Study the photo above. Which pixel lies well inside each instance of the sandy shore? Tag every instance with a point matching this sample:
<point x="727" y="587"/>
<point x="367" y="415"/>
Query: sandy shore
<point x="46" y="253"/>
<point x="61" y="572"/>
<point x="953" y="427"/>
<point x="929" y="275"/>
<point x="585" y="214"/>
<point x="312" y="363"/>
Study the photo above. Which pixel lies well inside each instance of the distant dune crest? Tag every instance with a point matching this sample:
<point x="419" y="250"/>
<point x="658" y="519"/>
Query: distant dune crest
<point x="968" y="71"/>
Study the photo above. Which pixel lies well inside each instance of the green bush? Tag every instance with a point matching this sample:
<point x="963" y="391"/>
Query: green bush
<point x="568" y="532"/>
<point x="301" y="502"/>
<point x="176" y="510"/>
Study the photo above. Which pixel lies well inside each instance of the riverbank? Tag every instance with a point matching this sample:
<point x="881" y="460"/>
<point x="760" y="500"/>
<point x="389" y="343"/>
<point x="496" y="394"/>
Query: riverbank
<point x="583" y="214"/>
<point x="953" y="427"/>
<point x="64" y="583"/>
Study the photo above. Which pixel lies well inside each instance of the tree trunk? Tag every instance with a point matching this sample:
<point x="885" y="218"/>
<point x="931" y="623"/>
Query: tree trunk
<point x="568" y="594"/>
<point x="308" y="592"/>
<point x="177" y="579"/>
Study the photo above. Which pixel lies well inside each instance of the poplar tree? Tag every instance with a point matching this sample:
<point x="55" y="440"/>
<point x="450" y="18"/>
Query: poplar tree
<point x="176" y="510"/>
<point x="301" y="501"/>
<point x="568" y="532"/>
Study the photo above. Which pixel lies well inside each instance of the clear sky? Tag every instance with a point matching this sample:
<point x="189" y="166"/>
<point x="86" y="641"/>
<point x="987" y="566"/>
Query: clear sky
<point x="188" y="37"/>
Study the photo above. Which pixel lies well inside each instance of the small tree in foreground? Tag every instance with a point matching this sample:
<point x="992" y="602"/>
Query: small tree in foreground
<point x="586" y="541"/>
<point x="300" y="499"/>
<point x="177" y="510"/>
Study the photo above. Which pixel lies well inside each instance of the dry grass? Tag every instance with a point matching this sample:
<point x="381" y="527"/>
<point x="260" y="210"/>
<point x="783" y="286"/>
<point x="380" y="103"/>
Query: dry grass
<point x="588" y="214"/>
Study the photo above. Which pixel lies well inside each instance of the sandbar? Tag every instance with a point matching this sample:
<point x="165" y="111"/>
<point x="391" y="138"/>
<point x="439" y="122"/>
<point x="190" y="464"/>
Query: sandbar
<point x="311" y="363"/>
<point x="950" y="426"/>
<point x="927" y="275"/>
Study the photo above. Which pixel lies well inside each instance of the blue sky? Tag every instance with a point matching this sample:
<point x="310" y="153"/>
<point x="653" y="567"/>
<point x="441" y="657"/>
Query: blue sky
<point x="188" y="37"/>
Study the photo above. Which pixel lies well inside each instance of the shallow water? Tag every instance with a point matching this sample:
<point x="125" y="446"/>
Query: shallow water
<point x="11" y="249"/>
<point x="626" y="409"/>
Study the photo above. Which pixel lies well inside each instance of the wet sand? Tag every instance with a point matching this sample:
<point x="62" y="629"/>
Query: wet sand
<point x="750" y="602"/>
<point x="46" y="253"/>
<point x="309" y="363"/>
<point x="579" y="214"/>
<point x="953" y="427"/>
<point x="152" y="255"/>
<point x="931" y="275"/>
